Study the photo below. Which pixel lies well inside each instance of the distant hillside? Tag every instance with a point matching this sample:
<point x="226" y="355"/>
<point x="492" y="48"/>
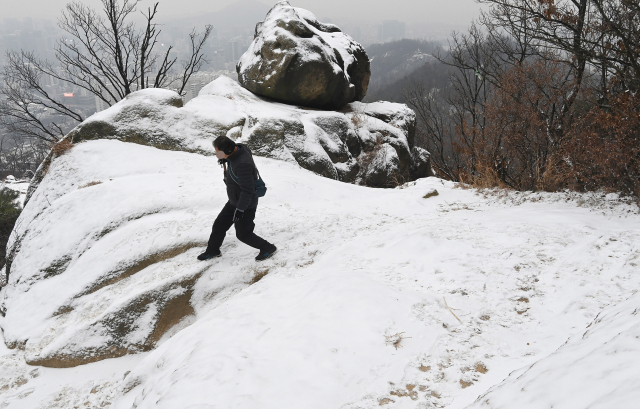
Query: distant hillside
<point x="393" y="61"/>
<point x="432" y="74"/>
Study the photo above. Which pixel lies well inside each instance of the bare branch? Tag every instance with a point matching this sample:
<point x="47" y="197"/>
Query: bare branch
<point x="196" y="59"/>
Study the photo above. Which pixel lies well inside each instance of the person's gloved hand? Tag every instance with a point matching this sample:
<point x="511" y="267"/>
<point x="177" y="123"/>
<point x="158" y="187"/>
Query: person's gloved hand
<point x="237" y="215"/>
<point x="221" y="162"/>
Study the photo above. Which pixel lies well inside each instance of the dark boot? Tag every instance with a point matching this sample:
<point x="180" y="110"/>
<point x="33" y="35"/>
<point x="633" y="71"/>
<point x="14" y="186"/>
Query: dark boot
<point x="265" y="254"/>
<point x="207" y="255"/>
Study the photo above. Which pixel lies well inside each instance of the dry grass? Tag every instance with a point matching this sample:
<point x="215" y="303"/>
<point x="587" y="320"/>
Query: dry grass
<point x="90" y="184"/>
<point x="480" y="367"/>
<point x="359" y="118"/>
<point x="465" y="384"/>
<point x="405" y="393"/>
<point x="555" y="175"/>
<point x="62" y="147"/>
<point x="485" y="178"/>
<point x="395" y="339"/>
<point x="259" y="274"/>
<point x="398" y="179"/>
<point x="431" y="193"/>
<point x="551" y="177"/>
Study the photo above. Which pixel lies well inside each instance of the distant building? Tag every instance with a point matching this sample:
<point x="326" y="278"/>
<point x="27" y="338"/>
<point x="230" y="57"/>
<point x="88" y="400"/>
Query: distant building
<point x="100" y="104"/>
<point x="232" y="51"/>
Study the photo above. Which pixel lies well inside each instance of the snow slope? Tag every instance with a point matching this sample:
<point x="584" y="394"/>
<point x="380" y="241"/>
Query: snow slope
<point x="469" y="288"/>
<point x="597" y="369"/>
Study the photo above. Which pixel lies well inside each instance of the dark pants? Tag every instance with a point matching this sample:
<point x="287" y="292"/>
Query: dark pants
<point x="244" y="229"/>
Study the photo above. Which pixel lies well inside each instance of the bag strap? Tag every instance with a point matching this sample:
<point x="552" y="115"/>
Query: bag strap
<point x="235" y="179"/>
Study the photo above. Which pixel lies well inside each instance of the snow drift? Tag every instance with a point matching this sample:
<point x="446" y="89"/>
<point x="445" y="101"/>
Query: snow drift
<point x="596" y="370"/>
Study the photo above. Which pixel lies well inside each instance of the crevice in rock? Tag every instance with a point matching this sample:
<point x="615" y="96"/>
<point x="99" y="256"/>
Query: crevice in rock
<point x="140" y="265"/>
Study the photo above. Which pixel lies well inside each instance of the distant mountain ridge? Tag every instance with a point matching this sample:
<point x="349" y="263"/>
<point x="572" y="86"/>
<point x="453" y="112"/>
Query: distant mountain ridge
<point x="393" y="61"/>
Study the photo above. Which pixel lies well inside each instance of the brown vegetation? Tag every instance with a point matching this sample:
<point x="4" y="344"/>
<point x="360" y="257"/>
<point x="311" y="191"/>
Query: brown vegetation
<point x="62" y="147"/>
<point x="90" y="184"/>
<point x="604" y="148"/>
<point x="541" y="96"/>
<point x="259" y="274"/>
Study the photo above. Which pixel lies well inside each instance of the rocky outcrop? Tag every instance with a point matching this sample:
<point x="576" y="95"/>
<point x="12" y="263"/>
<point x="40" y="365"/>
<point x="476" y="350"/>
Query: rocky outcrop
<point x="298" y="60"/>
<point x="371" y="144"/>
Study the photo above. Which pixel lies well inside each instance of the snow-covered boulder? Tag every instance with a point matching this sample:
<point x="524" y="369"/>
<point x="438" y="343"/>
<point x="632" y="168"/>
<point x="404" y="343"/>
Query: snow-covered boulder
<point x="371" y="144"/>
<point x="156" y="117"/>
<point x="296" y="59"/>
<point x="102" y="260"/>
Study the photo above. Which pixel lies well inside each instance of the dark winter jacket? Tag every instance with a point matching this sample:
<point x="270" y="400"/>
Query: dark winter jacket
<point x="242" y="194"/>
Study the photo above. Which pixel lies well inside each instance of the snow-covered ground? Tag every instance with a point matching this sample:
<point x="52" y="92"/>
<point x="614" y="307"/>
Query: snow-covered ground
<point x="376" y="297"/>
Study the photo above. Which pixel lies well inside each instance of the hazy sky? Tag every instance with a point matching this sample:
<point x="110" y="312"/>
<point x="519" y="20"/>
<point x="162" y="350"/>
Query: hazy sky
<point x="440" y="11"/>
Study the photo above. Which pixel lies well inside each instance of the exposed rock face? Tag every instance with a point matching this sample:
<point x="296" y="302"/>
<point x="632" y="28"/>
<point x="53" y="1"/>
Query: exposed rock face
<point x="371" y="144"/>
<point x="298" y="60"/>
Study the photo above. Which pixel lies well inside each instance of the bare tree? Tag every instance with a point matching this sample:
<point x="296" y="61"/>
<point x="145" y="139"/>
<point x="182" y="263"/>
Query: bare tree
<point x="26" y="100"/>
<point x="452" y="119"/>
<point x="557" y="27"/>
<point x="111" y="58"/>
<point x="103" y="53"/>
<point x="620" y="43"/>
<point x="436" y="127"/>
<point x="532" y="88"/>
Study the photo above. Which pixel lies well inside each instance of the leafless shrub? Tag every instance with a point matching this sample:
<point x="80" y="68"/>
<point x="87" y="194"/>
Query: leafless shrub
<point x="103" y="53"/>
<point x="365" y="160"/>
<point x="359" y="118"/>
<point x="540" y="98"/>
<point x="604" y="150"/>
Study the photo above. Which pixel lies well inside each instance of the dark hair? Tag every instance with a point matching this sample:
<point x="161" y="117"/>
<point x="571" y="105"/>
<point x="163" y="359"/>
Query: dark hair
<point x="224" y="144"/>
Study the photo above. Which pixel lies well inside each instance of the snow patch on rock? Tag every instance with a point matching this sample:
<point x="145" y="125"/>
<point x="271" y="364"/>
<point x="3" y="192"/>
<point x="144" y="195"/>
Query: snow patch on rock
<point x="330" y="143"/>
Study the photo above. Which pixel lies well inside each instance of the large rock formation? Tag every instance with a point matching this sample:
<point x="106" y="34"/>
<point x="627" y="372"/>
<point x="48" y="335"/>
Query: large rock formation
<point x="296" y="59"/>
<point x="102" y="261"/>
<point x="371" y="144"/>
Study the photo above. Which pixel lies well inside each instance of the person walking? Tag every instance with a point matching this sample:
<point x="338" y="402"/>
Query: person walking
<point x="240" y="173"/>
